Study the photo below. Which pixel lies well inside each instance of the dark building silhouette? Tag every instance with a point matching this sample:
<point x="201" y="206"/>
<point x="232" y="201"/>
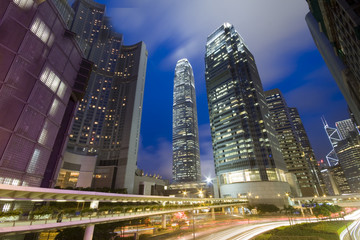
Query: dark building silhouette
<point x="294" y="144"/>
<point x="107" y="123"/>
<point x="348" y="151"/>
<point x="42" y="78"/>
<point x="335" y="28"/>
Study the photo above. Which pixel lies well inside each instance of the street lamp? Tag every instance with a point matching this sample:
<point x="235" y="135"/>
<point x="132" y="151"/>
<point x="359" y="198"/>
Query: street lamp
<point x="208" y="180"/>
<point x="184" y="193"/>
<point x="201" y="194"/>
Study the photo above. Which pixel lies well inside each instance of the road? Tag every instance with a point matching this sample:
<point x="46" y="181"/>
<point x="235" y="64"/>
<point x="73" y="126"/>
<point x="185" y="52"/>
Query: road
<point x="352" y="232"/>
<point x="235" y="230"/>
<point x="244" y="231"/>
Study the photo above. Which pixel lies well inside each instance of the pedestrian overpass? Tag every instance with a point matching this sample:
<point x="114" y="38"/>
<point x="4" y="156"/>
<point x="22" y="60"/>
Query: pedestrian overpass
<point x="165" y="205"/>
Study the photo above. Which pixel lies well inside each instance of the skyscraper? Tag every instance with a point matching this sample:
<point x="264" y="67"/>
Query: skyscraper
<point x="297" y="160"/>
<point x="334" y="26"/>
<point x="108" y="120"/>
<point x="248" y="160"/>
<point x="334" y="138"/>
<point x="186" y="153"/>
<point x="308" y="150"/>
<point x="42" y="78"/>
<point x="344" y="127"/>
<point x="348" y="151"/>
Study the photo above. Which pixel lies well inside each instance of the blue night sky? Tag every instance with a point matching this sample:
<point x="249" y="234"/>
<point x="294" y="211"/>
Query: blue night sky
<point x="275" y="32"/>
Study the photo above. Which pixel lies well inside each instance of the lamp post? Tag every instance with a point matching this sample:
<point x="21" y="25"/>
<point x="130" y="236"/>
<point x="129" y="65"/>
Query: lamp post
<point x="193" y="223"/>
<point x="201" y="194"/>
<point x="184" y="193"/>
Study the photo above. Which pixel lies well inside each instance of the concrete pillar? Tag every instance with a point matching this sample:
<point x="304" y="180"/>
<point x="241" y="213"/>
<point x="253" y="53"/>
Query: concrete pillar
<point x="223" y="210"/>
<point x="213" y="213"/>
<point x="242" y="210"/>
<point x="301" y="208"/>
<point x="89" y="232"/>
<point x="311" y="211"/>
<point x="232" y="210"/>
<point x="236" y="210"/>
<point x="163" y="219"/>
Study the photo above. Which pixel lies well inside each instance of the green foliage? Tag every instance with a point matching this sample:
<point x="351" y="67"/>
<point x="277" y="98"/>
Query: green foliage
<point x="320" y="211"/>
<point x="320" y="230"/>
<point x="44" y="210"/>
<point x="325" y="210"/>
<point x="264" y="208"/>
<point x="87" y="211"/>
<point x="289" y="209"/>
<point x="16" y="212"/>
<point x="70" y="211"/>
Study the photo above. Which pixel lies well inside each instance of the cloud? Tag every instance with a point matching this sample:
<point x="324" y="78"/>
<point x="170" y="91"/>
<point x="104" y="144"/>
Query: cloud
<point x="187" y="50"/>
<point x="206" y="151"/>
<point x="311" y="97"/>
<point x="270" y="28"/>
<point x="157" y="157"/>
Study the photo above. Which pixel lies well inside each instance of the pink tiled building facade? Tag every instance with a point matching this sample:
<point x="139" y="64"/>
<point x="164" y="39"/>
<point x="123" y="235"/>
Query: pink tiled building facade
<point x="42" y="77"/>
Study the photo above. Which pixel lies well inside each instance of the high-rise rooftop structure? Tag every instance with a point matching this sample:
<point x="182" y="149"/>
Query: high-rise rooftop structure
<point x="334" y="26"/>
<point x="65" y="10"/>
<point x="186" y="153"/>
<point x="297" y="161"/>
<point x="42" y="78"/>
<point x="248" y="160"/>
<point x="344" y="127"/>
<point x="308" y="150"/>
<point x="89" y="20"/>
<point x="108" y="120"/>
<point x="334" y="138"/>
<point x="348" y="151"/>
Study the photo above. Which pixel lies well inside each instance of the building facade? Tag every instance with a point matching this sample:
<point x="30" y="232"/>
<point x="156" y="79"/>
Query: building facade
<point x="348" y="151"/>
<point x="334" y="137"/>
<point x="298" y="161"/>
<point x="43" y="76"/>
<point x="76" y="171"/>
<point x="334" y="26"/>
<point x="308" y="150"/>
<point x="107" y="123"/>
<point x="246" y="151"/>
<point x="341" y="182"/>
<point x="186" y="153"/>
<point x="345" y="127"/>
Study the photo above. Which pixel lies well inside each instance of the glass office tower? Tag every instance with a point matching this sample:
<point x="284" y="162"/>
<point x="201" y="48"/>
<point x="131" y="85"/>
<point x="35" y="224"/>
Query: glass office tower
<point x="294" y="144"/>
<point x="186" y="154"/>
<point x="246" y="151"/>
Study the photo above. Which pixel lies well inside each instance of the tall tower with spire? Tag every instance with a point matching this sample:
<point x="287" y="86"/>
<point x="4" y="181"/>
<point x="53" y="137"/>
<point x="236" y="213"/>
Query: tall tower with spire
<point x="186" y="153"/>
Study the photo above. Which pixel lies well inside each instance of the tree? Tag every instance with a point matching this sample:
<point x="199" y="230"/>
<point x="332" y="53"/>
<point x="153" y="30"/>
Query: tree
<point x="264" y="208"/>
<point x="321" y="211"/>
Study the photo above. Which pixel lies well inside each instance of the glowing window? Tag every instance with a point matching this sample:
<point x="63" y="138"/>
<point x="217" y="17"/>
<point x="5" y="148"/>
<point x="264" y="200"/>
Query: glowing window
<point x="42" y="31"/>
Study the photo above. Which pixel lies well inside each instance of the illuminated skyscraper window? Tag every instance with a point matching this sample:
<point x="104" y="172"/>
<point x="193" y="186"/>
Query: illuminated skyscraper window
<point x="246" y="152"/>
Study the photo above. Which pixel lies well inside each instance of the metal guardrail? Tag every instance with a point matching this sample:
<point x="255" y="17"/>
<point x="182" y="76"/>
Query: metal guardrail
<point x="17" y="225"/>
